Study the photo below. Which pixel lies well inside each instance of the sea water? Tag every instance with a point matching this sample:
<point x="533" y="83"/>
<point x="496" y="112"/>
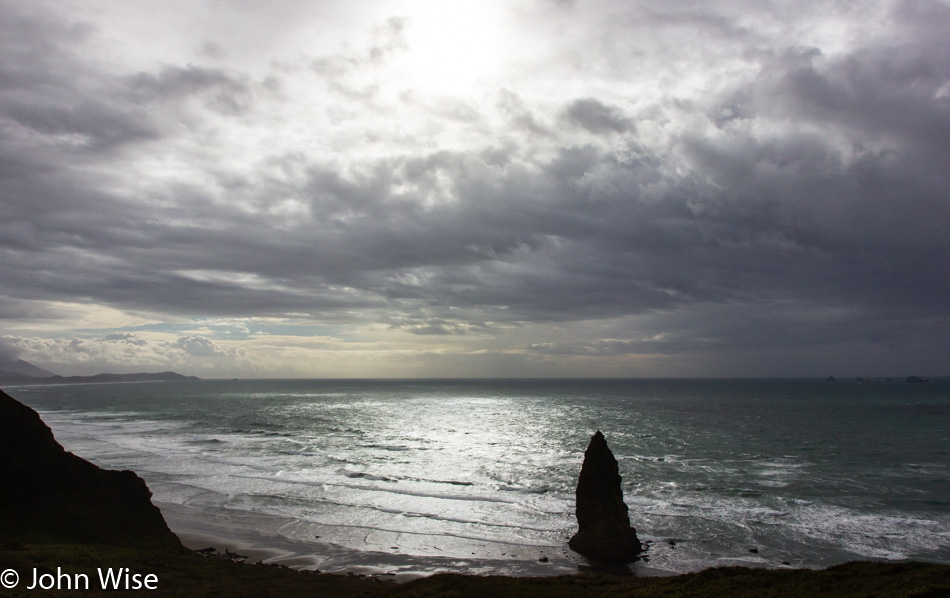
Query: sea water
<point x="479" y="475"/>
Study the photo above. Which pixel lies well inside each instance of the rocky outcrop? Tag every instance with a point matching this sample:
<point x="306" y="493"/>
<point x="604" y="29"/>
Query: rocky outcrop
<point x="604" y="531"/>
<point x="49" y="495"/>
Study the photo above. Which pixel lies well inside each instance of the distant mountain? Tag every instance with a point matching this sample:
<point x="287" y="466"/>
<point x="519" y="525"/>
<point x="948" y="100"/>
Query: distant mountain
<point x="17" y="378"/>
<point x="141" y="377"/>
<point x="24" y="368"/>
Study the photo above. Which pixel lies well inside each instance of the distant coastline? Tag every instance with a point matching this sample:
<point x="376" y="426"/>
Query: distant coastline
<point x="14" y="378"/>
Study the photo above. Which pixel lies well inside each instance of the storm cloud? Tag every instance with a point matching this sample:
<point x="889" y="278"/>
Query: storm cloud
<point x="722" y="188"/>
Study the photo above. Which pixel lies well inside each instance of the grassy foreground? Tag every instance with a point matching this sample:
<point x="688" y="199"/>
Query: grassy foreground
<point x="184" y="573"/>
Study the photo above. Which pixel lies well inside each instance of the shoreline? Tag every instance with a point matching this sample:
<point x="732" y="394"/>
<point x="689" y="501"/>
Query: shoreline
<point x="259" y="537"/>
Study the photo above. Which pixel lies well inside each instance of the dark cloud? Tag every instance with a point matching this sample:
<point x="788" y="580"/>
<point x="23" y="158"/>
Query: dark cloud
<point x="597" y="117"/>
<point x="126" y="337"/>
<point x="46" y="97"/>
<point x="797" y="201"/>
<point x="90" y="124"/>
<point x="519" y="114"/>
<point x="226" y="92"/>
<point x="38" y="48"/>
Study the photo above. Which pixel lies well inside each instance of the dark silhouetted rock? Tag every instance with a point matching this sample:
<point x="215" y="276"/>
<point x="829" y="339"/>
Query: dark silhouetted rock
<point x="915" y="380"/>
<point x="830" y="379"/>
<point x="49" y="495"/>
<point x="604" y="531"/>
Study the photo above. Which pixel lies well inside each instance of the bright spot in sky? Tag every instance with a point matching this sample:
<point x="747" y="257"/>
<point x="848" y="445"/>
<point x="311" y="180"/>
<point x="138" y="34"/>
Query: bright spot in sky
<point x="453" y="48"/>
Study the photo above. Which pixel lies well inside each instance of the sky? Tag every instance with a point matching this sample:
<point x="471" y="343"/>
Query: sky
<point x="517" y="188"/>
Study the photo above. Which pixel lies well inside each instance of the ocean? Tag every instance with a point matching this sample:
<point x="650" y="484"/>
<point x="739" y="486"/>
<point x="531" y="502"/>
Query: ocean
<point x="420" y="476"/>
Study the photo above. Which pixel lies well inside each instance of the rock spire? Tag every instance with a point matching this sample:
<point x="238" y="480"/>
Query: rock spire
<point x="604" y="531"/>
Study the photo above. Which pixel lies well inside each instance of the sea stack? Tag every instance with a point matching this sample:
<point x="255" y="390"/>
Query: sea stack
<point x="604" y="531"/>
<point x="50" y="495"/>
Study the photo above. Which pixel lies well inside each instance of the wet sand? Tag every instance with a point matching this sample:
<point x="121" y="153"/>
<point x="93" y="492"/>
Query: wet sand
<point x="264" y="539"/>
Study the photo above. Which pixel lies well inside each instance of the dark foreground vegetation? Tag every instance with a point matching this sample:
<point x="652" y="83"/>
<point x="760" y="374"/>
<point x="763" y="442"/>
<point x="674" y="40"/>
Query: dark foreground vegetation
<point x="183" y="573"/>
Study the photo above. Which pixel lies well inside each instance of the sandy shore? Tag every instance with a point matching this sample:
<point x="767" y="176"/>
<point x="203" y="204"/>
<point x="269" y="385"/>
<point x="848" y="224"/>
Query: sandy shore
<point x="270" y="540"/>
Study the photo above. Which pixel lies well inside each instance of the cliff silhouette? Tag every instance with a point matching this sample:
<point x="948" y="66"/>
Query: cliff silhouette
<point x="50" y="495"/>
